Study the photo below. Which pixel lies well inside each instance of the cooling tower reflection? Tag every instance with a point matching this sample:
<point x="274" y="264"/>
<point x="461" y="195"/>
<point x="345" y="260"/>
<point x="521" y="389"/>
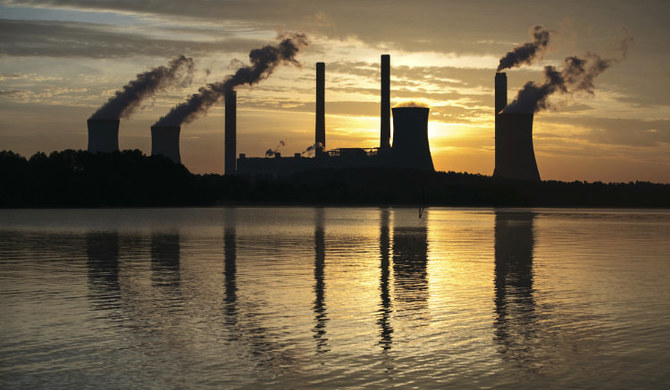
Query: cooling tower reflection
<point x="102" y="251"/>
<point x="165" y="261"/>
<point x="410" y="258"/>
<point x="515" y="318"/>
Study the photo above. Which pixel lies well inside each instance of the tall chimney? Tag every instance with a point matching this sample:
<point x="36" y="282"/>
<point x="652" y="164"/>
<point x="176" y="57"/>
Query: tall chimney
<point x="320" y="131"/>
<point x="500" y="103"/>
<point x="103" y="135"/>
<point x="230" y="154"/>
<point x="165" y="141"/>
<point x="385" y="135"/>
<point x="501" y="92"/>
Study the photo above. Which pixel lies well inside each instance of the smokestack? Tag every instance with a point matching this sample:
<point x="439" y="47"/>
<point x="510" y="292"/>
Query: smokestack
<point x="230" y="132"/>
<point x="385" y="135"/>
<point x="410" y="138"/>
<point x="165" y="141"/>
<point x="500" y="92"/>
<point x="515" y="158"/>
<point x="320" y="131"/>
<point x="103" y="135"/>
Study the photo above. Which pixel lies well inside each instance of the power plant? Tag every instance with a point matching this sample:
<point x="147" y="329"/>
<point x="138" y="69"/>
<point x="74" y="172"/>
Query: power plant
<point x="514" y="155"/>
<point x="165" y="141"/>
<point x="410" y="149"/>
<point x="103" y="135"/>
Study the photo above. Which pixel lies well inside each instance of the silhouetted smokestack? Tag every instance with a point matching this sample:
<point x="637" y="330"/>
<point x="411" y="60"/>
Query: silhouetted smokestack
<point x="320" y="132"/>
<point x="165" y="141"/>
<point x="385" y="135"/>
<point x="103" y="135"/>
<point x="231" y="132"/>
<point x="515" y="158"/>
<point x="410" y="138"/>
<point x="500" y="92"/>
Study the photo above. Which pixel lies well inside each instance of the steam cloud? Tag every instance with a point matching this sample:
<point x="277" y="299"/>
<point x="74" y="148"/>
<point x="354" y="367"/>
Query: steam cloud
<point x="263" y="62"/>
<point x="272" y="152"/>
<point x="577" y="74"/>
<point x="125" y="101"/>
<point x="412" y="104"/>
<point x="526" y="53"/>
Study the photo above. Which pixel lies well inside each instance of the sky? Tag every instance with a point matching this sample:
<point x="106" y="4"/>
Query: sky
<point x="60" y="60"/>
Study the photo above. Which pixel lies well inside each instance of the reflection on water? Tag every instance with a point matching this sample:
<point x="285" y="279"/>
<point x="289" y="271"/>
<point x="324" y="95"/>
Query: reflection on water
<point x="165" y="261"/>
<point x="335" y="298"/>
<point x="384" y="321"/>
<point x="515" y="322"/>
<point x="320" y="314"/>
<point x="102" y="250"/>
<point x="410" y="261"/>
<point x="230" y="267"/>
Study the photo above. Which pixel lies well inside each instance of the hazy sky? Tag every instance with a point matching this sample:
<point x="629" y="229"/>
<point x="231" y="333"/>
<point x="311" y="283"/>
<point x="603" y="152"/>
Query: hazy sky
<point x="62" y="59"/>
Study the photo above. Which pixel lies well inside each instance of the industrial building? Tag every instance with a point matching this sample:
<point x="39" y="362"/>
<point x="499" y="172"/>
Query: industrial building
<point x="514" y="154"/>
<point x="410" y="149"/>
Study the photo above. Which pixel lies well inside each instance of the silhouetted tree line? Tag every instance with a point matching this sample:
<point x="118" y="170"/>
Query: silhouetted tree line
<point x="74" y="178"/>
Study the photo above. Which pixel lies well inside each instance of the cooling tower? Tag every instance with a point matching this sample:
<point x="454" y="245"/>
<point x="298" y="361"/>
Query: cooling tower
<point x="385" y="133"/>
<point x="515" y="158"/>
<point x="230" y="153"/>
<point x="165" y="141"/>
<point x="410" y="138"/>
<point x="103" y="135"/>
<point x="320" y="131"/>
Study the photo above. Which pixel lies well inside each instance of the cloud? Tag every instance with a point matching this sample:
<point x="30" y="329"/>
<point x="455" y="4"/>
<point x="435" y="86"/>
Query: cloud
<point x="620" y="131"/>
<point x="29" y="38"/>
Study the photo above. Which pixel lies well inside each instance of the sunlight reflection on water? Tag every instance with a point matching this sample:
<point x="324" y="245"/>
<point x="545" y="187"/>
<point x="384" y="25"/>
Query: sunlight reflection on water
<point x="334" y="297"/>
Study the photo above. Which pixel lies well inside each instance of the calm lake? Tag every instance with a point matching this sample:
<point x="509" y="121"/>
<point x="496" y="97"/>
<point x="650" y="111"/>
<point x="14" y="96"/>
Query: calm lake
<point x="303" y="298"/>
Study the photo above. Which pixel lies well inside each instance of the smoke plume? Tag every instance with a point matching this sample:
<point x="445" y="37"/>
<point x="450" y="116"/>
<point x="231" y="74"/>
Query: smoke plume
<point x="311" y="149"/>
<point x="272" y="152"/>
<point x="125" y="101"/>
<point x="577" y="75"/>
<point x="526" y="53"/>
<point x="263" y="62"/>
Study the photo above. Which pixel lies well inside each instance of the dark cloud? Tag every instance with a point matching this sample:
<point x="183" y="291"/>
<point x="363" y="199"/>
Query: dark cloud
<point x="10" y="92"/>
<point x="376" y="21"/>
<point x="73" y="39"/>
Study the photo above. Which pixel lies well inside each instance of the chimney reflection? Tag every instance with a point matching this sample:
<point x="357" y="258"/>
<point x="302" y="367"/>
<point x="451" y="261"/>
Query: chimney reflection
<point x="410" y="259"/>
<point x="386" y="330"/>
<point x="515" y="323"/>
<point x="230" y="267"/>
<point x="102" y="250"/>
<point x="320" y="314"/>
<point x="165" y="260"/>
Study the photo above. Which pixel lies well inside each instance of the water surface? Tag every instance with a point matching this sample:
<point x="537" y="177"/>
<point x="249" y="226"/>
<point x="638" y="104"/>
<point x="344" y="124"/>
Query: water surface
<point x="334" y="298"/>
